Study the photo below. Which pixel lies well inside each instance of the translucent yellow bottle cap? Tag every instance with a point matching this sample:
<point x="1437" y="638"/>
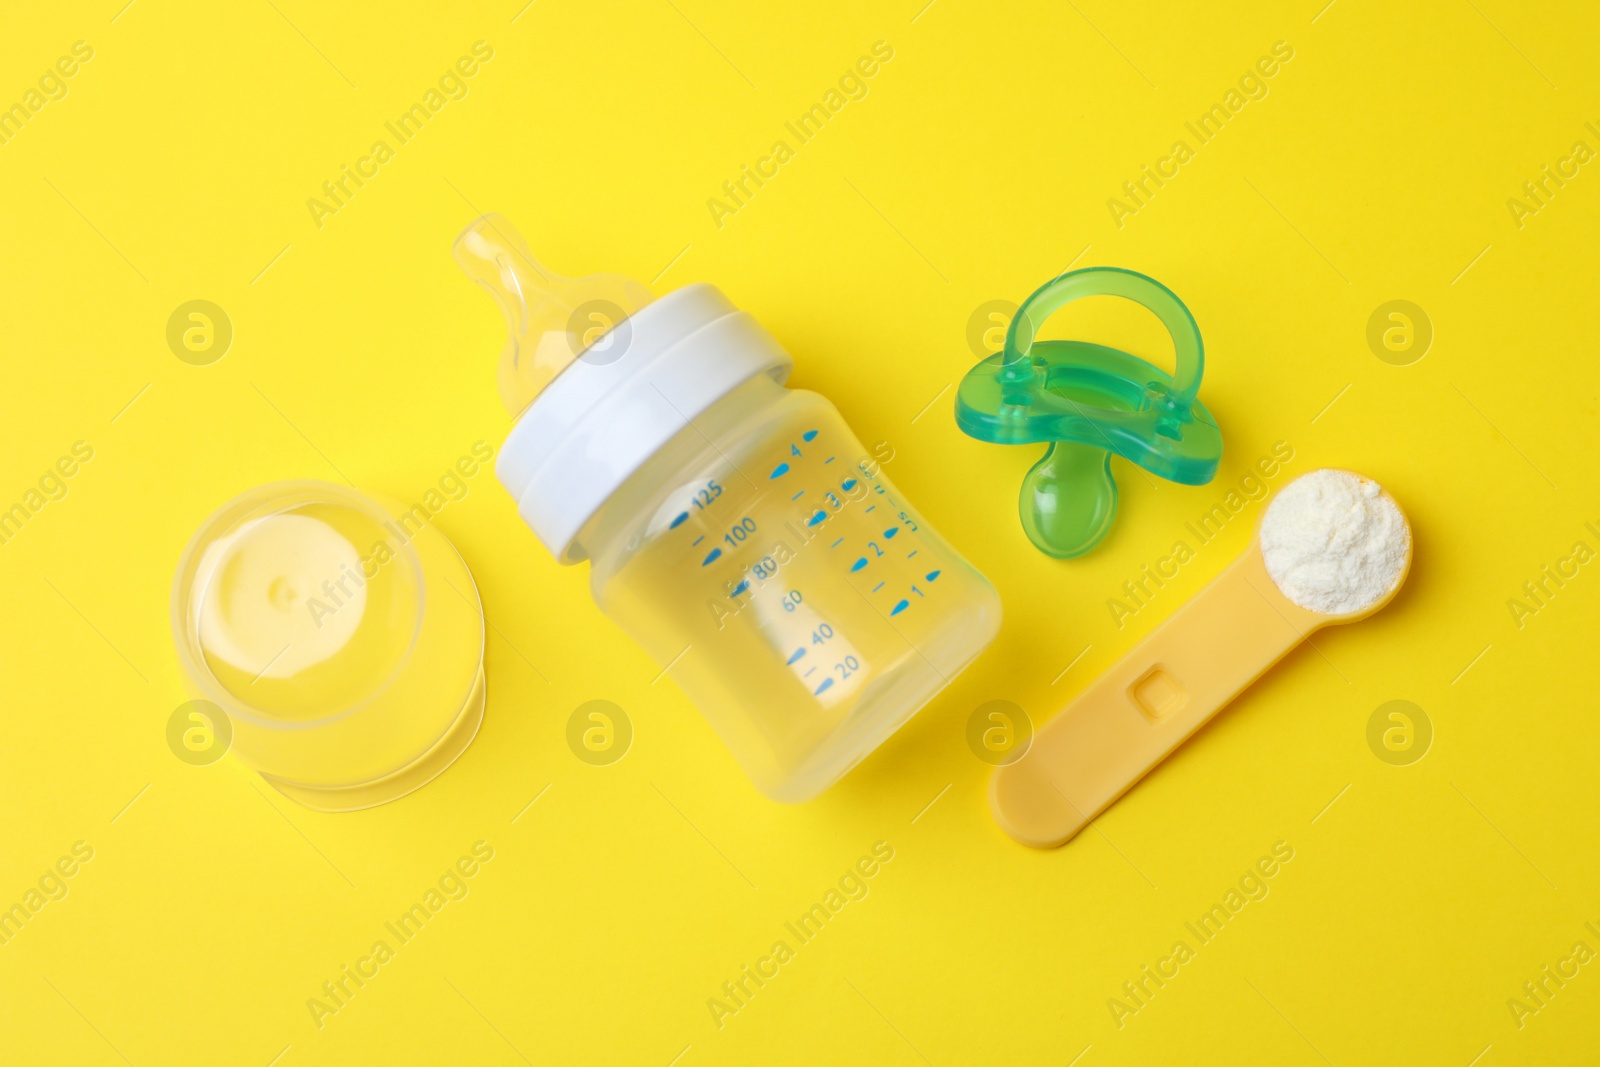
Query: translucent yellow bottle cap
<point x="341" y="635"/>
<point x="550" y="320"/>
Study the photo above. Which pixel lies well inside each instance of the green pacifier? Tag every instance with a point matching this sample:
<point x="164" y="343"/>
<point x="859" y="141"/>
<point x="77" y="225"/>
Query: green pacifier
<point x="1089" y="401"/>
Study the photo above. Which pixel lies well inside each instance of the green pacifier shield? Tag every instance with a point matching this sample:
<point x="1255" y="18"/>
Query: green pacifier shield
<point x="1088" y="402"/>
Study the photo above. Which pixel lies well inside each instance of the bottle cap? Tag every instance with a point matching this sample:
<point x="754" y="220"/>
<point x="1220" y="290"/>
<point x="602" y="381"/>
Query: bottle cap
<point x="604" y="403"/>
<point x="341" y="636"/>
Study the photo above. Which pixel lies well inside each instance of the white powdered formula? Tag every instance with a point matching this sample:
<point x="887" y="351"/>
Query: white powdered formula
<point x="1333" y="542"/>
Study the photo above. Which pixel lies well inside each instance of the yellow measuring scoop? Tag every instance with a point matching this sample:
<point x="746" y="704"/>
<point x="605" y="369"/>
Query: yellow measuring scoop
<point x="1157" y="695"/>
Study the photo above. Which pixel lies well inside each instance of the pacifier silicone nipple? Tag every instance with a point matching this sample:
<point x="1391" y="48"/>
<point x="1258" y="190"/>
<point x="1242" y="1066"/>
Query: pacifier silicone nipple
<point x="1330" y="538"/>
<point x="1069" y="499"/>
<point x="1089" y="401"/>
<point x="551" y="320"/>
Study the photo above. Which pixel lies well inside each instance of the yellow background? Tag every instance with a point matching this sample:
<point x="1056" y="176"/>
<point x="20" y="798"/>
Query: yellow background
<point x="1378" y="167"/>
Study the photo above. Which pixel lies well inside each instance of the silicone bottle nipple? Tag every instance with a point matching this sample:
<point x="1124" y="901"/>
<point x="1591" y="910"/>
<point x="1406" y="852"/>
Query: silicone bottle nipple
<point x="551" y="320"/>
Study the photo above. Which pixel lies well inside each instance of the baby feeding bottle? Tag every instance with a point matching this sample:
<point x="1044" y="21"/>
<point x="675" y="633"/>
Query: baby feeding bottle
<point x="735" y="528"/>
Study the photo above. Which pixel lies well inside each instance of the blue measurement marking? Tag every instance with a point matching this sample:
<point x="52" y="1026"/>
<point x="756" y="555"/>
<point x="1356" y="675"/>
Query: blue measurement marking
<point x="679" y="521"/>
<point x="898" y="608"/>
<point x="914" y="551"/>
<point x="741" y="587"/>
<point x="798" y="495"/>
<point x="816" y="520"/>
<point x="917" y="591"/>
<point x="837" y="543"/>
<point x="829" y="460"/>
<point x="809" y="673"/>
<point x="819" y="690"/>
<point x="891" y="531"/>
<point x="697" y="540"/>
<point x="809" y="435"/>
<point x="932" y="575"/>
<point x="797" y="654"/>
<point x="849" y="484"/>
<point x="879" y="586"/>
<point x="779" y="471"/>
<point x="870" y="510"/>
<point x="715" y="554"/>
<point x="858" y="564"/>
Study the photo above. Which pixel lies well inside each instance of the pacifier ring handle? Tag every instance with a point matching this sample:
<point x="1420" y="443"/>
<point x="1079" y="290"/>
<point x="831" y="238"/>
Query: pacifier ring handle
<point x="1188" y="349"/>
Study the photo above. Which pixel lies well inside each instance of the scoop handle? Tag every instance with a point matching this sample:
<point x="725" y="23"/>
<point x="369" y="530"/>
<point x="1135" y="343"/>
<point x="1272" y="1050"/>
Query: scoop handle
<point x="1148" y="704"/>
